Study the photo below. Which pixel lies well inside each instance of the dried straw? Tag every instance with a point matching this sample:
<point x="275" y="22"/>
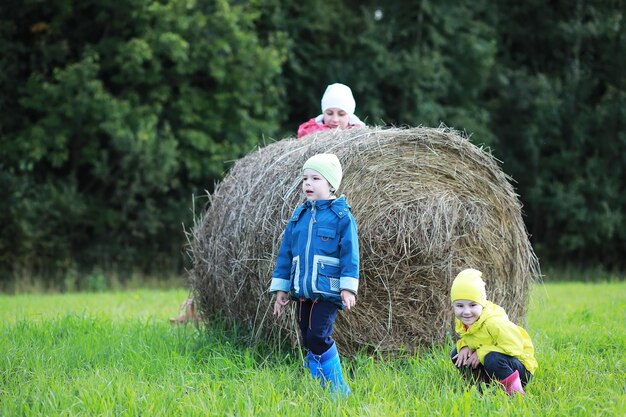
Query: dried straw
<point x="428" y="204"/>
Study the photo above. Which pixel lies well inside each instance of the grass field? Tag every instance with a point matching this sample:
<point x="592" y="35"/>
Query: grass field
<point x="115" y="354"/>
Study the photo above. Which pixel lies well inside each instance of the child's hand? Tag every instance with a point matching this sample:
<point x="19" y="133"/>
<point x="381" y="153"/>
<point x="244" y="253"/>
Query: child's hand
<point x="461" y="358"/>
<point x="472" y="360"/>
<point x="282" y="298"/>
<point x="348" y="299"/>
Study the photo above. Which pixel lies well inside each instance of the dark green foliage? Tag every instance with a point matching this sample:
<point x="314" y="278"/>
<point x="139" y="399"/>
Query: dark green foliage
<point x="559" y="112"/>
<point x="113" y="115"/>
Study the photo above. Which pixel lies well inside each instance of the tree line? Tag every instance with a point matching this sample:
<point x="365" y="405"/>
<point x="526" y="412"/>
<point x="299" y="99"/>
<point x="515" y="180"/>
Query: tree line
<point x="115" y="117"/>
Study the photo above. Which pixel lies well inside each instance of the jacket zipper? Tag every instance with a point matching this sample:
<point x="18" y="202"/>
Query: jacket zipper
<point x="306" y="255"/>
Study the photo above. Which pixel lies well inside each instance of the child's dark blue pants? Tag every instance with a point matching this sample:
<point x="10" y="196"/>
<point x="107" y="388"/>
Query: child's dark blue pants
<point x="316" y="320"/>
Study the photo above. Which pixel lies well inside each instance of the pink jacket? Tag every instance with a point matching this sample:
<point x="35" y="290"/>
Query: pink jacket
<point x="316" y="124"/>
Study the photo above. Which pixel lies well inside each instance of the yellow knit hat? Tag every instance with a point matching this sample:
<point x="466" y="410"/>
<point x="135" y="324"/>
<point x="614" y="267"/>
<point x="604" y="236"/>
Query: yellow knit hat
<point x="469" y="285"/>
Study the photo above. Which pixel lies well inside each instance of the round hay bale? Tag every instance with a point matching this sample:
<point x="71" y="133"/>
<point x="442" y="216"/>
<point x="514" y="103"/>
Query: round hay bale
<point x="428" y="204"/>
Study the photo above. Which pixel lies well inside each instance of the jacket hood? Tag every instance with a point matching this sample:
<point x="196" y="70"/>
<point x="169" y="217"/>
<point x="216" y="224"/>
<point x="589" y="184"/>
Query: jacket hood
<point x="335" y="203"/>
<point x="338" y="205"/>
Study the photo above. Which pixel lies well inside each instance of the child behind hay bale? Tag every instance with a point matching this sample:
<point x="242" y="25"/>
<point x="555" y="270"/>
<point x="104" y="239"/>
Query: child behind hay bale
<point x="490" y="346"/>
<point x="338" y="107"/>
<point x="318" y="265"/>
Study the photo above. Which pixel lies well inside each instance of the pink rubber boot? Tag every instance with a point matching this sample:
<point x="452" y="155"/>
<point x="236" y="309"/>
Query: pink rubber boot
<point x="512" y="384"/>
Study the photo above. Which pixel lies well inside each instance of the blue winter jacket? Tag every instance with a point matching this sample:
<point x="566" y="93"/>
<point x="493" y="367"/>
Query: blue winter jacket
<point x="319" y="254"/>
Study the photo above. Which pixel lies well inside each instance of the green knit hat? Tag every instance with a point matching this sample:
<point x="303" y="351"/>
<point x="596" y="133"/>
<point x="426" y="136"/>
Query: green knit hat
<point x="328" y="165"/>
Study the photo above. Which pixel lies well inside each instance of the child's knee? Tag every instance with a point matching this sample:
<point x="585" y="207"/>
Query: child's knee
<point x="495" y="362"/>
<point x="491" y="362"/>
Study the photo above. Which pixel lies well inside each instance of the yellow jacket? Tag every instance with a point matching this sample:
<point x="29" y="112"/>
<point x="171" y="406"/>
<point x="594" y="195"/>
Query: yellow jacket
<point x="494" y="332"/>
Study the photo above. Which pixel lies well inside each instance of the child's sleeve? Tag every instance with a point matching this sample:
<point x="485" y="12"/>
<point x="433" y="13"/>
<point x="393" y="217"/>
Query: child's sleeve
<point x="309" y="127"/>
<point x="506" y="338"/>
<point x="349" y="255"/>
<point x="460" y="344"/>
<point x="281" y="278"/>
<point x="459" y="329"/>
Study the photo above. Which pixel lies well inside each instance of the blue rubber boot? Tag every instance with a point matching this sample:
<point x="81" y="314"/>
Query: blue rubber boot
<point x="314" y="366"/>
<point x="327" y="367"/>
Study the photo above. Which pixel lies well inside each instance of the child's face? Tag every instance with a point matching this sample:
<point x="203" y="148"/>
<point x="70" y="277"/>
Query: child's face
<point x="467" y="311"/>
<point x="315" y="186"/>
<point x="335" y="117"/>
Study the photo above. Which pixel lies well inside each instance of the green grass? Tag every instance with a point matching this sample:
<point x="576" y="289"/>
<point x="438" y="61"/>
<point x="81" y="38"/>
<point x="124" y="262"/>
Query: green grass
<point x="115" y="354"/>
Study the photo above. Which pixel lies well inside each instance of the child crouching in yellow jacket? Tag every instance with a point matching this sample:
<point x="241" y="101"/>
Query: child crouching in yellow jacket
<point x="490" y="345"/>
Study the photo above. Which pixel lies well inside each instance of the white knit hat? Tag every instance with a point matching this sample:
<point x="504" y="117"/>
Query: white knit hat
<point x="339" y="96"/>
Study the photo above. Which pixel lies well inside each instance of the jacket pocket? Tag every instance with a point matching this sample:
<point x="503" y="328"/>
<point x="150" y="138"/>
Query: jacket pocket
<point x="325" y="234"/>
<point x="326" y="275"/>
<point x="295" y="274"/>
<point x="327" y="241"/>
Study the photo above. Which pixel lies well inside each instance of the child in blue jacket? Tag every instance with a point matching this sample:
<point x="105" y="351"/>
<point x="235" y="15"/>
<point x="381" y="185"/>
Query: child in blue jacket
<point x="318" y="265"/>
